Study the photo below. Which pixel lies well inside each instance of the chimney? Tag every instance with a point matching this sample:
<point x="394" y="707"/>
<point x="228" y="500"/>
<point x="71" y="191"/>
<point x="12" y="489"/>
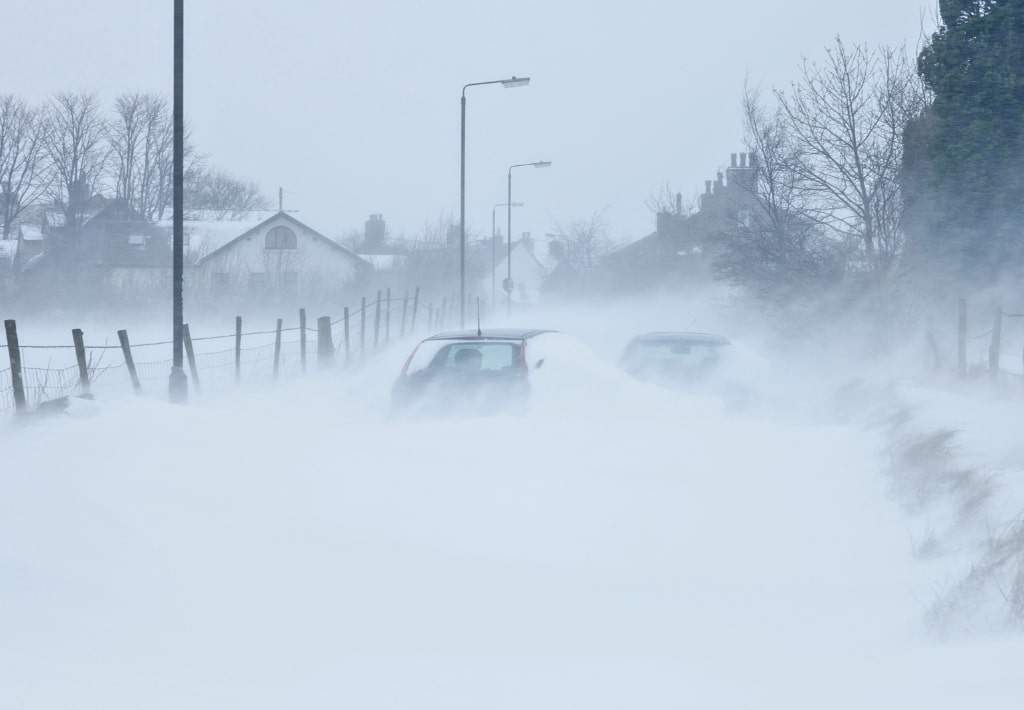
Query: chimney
<point x="374" y="232"/>
<point x="679" y="203"/>
<point x="707" y="187"/>
<point x="743" y="160"/>
<point x="733" y="161"/>
<point x="663" y="223"/>
<point x="719" y="182"/>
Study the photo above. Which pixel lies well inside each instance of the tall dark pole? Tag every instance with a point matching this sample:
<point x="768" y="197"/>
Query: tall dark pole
<point x="178" y="381"/>
<point x="462" y="217"/>
<point x="508" y="257"/>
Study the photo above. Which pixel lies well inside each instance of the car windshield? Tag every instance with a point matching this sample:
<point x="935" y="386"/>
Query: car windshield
<point x="469" y="355"/>
<point x="676" y="352"/>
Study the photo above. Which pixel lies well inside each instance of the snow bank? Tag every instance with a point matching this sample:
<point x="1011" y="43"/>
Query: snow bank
<point x="618" y="546"/>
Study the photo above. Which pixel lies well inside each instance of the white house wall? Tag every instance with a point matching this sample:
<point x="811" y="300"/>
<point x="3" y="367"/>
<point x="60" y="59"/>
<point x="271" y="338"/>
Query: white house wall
<point x="528" y="276"/>
<point x="317" y="266"/>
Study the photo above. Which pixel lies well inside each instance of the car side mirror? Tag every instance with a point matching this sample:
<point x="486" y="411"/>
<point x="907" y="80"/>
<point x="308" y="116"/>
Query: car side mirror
<point x="539" y="364"/>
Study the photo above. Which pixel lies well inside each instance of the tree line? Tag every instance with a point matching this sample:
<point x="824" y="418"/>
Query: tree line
<point x="871" y="164"/>
<point x="828" y="152"/>
<point x="67" y="149"/>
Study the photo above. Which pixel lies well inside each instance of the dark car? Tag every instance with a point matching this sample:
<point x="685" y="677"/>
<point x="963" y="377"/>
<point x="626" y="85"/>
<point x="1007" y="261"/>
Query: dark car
<point x="468" y="371"/>
<point x="674" y="358"/>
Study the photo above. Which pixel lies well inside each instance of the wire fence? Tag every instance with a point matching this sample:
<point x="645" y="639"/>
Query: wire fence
<point x="35" y="374"/>
<point x="990" y="341"/>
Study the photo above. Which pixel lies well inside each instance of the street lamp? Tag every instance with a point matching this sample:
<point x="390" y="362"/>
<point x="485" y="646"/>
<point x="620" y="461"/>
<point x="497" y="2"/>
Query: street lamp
<point x="494" y="248"/>
<point x="508" y="279"/>
<point x="511" y="83"/>
<point x="178" y="386"/>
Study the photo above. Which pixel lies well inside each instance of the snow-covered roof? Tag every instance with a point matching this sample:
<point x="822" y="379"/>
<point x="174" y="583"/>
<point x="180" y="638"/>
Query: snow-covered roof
<point x="212" y="230"/>
<point x="383" y="262"/>
<point x="31" y="232"/>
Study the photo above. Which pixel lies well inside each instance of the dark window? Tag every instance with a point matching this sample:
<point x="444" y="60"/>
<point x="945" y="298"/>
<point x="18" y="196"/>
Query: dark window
<point x="478" y="355"/>
<point x="258" y="282"/>
<point x="281" y="238"/>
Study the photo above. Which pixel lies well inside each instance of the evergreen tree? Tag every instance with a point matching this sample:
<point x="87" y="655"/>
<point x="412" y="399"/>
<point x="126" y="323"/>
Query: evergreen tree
<point x="964" y="161"/>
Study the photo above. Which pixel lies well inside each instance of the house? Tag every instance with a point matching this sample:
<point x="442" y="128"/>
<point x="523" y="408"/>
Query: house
<point x="530" y="269"/>
<point x="280" y="260"/>
<point x="683" y="246"/>
<point x="115" y="254"/>
<point x="8" y="259"/>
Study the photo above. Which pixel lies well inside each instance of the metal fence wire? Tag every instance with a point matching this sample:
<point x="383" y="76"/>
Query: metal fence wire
<point x="222" y="361"/>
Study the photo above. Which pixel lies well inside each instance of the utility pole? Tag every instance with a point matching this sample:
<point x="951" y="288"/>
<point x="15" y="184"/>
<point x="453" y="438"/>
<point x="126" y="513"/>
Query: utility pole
<point x="178" y="389"/>
<point x="462" y="214"/>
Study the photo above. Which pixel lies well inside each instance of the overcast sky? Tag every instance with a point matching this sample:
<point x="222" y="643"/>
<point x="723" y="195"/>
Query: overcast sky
<point x="353" y="107"/>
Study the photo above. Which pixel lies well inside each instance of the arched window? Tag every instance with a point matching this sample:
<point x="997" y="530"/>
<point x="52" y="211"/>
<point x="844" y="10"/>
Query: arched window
<point x="281" y="238"/>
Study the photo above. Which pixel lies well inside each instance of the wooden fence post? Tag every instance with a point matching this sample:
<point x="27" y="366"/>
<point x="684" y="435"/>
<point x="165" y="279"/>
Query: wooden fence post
<point x="376" y="323"/>
<point x="277" y="348"/>
<point x="238" y="349"/>
<point x="83" y="365"/>
<point x="129" y="361"/>
<point x="362" y="330"/>
<point x="302" y="337"/>
<point x="14" y="354"/>
<point x="415" y="308"/>
<point x="348" y="349"/>
<point x="405" y="309"/>
<point x="961" y="327"/>
<point x="324" y="342"/>
<point x="190" y="353"/>
<point x="387" y="319"/>
<point x="995" y="348"/>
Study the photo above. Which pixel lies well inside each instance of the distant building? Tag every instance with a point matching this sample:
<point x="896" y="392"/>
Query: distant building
<point x="683" y="246"/>
<point x="278" y="260"/>
<point x="530" y="268"/>
<point x="116" y="253"/>
<point x="378" y="249"/>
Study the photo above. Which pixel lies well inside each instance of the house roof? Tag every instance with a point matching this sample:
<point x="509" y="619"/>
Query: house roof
<point x="301" y="225"/>
<point x="31" y="232"/>
<point x="207" y="230"/>
<point x="383" y="262"/>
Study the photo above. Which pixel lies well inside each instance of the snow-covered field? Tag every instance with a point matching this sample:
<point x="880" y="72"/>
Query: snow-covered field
<point x="619" y="546"/>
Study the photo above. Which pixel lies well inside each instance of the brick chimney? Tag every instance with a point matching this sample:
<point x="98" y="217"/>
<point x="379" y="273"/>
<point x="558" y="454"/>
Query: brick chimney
<point x="374" y="233"/>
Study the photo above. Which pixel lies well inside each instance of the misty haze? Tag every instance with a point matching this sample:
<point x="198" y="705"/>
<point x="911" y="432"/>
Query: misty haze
<point x="512" y="355"/>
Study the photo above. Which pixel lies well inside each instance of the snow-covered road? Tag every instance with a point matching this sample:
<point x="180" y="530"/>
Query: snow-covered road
<point x="618" y="547"/>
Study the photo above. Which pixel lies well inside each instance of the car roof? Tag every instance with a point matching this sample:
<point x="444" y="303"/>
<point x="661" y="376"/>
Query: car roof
<point x="491" y="334"/>
<point x="693" y="337"/>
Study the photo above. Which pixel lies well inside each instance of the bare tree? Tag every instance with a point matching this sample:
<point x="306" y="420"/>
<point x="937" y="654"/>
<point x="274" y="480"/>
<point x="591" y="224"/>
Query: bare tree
<point x="77" y="152"/>
<point x="22" y="179"/>
<point x="846" y="118"/>
<point x="125" y="135"/>
<point x="216" y="191"/>
<point x="666" y="200"/>
<point x="141" y="142"/>
<point x="584" y="242"/>
<point x="777" y="247"/>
